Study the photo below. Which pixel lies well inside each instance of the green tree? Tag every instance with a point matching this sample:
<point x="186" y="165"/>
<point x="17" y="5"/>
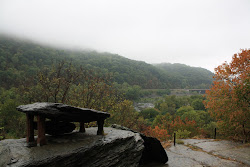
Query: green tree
<point x="133" y="92"/>
<point x="163" y="121"/>
<point x="183" y="110"/>
<point x="12" y="121"/>
<point x="197" y="104"/>
<point x="190" y="115"/>
<point x="149" y="114"/>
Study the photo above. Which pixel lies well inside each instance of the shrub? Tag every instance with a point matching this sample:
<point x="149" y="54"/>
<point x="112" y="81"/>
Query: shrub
<point x="182" y="134"/>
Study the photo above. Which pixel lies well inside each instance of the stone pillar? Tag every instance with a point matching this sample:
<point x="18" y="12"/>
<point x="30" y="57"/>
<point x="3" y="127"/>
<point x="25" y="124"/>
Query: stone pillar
<point x="30" y="128"/>
<point x="41" y="140"/>
<point x="82" y="127"/>
<point x="100" y="124"/>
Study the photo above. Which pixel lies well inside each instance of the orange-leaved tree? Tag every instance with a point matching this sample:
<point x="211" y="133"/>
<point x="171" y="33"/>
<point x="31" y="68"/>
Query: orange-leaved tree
<point x="157" y="132"/>
<point x="228" y="100"/>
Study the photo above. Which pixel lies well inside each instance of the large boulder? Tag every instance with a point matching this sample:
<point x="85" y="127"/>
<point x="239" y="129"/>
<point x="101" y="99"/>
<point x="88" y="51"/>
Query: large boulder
<point x="117" y="148"/>
<point x="153" y="151"/>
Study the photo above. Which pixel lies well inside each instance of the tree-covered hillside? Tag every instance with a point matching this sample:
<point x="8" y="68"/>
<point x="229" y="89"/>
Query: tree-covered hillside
<point x="194" y="77"/>
<point x="20" y="59"/>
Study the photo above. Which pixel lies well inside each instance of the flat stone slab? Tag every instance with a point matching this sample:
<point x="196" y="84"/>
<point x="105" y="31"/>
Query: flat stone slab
<point x="227" y="149"/>
<point x="185" y="156"/>
<point x="208" y="152"/>
<point x="63" y="112"/>
<point x="60" y="115"/>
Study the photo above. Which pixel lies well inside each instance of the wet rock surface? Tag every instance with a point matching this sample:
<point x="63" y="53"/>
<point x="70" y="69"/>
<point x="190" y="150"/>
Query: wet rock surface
<point x="120" y="148"/>
<point x="208" y="152"/>
<point x="63" y="112"/>
<point x="153" y="151"/>
<point x="232" y="150"/>
<point x="116" y="148"/>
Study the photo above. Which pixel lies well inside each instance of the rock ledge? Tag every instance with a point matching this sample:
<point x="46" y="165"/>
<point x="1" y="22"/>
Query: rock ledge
<point x="117" y="148"/>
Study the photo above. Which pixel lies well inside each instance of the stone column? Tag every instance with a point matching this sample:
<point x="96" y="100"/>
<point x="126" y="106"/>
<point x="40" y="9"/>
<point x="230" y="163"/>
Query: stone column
<point x="82" y="128"/>
<point x="100" y="124"/>
<point x="41" y="140"/>
<point x="30" y="128"/>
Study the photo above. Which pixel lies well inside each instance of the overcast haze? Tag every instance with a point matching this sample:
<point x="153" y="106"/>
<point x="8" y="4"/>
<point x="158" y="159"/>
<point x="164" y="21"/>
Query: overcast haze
<point x="194" y="32"/>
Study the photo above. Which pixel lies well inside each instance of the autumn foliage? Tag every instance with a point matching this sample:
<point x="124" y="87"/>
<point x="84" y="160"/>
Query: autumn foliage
<point x="157" y="132"/>
<point x="186" y="124"/>
<point x="229" y="98"/>
<point x="164" y="128"/>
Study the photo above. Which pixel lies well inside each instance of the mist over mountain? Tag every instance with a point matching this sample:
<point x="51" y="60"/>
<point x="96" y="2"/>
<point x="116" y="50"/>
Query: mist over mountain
<point x="21" y="58"/>
<point x="188" y="75"/>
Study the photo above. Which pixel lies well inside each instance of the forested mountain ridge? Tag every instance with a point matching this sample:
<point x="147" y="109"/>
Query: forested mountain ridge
<point x="19" y="59"/>
<point x="188" y="75"/>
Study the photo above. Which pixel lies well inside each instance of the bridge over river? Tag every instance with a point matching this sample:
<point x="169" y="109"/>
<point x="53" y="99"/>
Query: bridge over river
<point x="189" y="91"/>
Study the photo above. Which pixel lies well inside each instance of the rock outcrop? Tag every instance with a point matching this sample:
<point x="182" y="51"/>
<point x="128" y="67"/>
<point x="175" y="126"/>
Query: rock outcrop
<point x="117" y="148"/>
<point x="63" y="112"/>
<point x="153" y="150"/>
<point x="61" y="116"/>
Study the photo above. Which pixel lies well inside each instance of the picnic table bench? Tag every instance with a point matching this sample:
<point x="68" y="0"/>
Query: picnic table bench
<point x="59" y="115"/>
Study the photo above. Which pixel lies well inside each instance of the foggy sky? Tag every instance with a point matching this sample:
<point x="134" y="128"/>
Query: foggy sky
<point x="200" y="33"/>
